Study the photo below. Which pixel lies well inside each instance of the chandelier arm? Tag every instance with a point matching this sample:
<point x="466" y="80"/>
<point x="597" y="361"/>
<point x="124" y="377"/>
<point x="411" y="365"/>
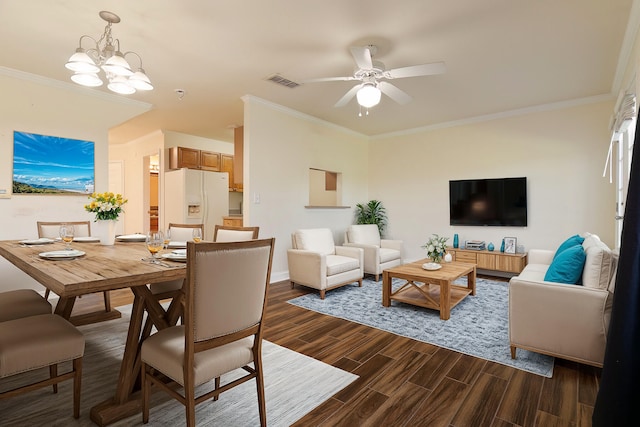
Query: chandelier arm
<point x="133" y="53"/>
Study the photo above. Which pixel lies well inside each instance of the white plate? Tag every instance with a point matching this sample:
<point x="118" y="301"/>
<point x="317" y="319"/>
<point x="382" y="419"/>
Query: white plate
<point x="175" y="257"/>
<point x="62" y="254"/>
<point x="40" y="241"/>
<point x="177" y="245"/>
<point x="431" y="266"/>
<point x="86" y="239"/>
<point x="132" y="238"/>
<point x="180" y="252"/>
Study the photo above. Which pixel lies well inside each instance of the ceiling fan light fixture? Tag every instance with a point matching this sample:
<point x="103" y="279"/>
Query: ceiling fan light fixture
<point x="368" y="95"/>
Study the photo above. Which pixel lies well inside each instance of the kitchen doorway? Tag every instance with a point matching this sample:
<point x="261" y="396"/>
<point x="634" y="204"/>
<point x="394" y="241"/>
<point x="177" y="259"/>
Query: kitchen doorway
<point x="152" y="203"/>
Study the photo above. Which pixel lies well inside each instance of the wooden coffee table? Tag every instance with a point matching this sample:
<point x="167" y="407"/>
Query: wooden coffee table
<point x="430" y="288"/>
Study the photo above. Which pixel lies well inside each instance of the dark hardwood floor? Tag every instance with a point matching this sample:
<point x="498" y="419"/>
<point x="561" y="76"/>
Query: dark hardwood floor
<point x="404" y="382"/>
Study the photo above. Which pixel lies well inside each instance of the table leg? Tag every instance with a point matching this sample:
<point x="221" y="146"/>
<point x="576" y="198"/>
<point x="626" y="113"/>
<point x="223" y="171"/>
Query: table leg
<point x="386" y="289"/>
<point x="445" y="300"/>
<point x="127" y="401"/>
<point x="471" y="281"/>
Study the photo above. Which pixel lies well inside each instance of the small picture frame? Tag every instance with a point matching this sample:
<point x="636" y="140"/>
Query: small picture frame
<point x="510" y="244"/>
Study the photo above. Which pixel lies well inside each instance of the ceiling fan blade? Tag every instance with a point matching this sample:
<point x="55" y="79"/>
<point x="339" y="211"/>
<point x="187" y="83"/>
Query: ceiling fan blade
<point x="400" y="96"/>
<point x="347" y="96"/>
<point x="362" y="56"/>
<point x="329" y="79"/>
<point x="416" y="70"/>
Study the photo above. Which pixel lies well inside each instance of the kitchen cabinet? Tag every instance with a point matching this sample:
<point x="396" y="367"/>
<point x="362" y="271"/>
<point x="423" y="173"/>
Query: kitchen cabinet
<point x="232" y="221"/>
<point x="238" y="156"/>
<point x="191" y="158"/>
<point x="227" y="166"/>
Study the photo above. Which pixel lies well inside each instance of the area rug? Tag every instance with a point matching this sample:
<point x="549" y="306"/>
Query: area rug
<point x="295" y="384"/>
<point x="478" y="325"/>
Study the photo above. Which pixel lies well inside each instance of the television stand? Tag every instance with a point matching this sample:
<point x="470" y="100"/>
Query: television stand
<point x="491" y="260"/>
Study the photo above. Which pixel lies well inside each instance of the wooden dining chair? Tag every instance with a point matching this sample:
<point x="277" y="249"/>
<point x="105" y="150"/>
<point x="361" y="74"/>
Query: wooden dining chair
<point x="225" y="294"/>
<point x="51" y="230"/>
<point x="227" y="233"/>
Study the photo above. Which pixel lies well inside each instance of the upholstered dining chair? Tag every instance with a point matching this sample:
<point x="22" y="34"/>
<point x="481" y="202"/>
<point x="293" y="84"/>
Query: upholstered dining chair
<point x="315" y="261"/>
<point x="227" y="233"/>
<point x="184" y="232"/>
<point x="22" y="303"/>
<point x="51" y="230"/>
<point x="225" y="294"/>
<point x="40" y="341"/>
<point x="379" y="254"/>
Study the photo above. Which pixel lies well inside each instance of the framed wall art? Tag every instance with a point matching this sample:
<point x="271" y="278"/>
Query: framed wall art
<point x="52" y="165"/>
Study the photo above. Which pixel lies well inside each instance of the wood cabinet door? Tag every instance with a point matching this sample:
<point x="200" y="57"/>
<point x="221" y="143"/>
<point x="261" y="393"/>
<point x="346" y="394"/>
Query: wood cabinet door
<point x="512" y="264"/>
<point x="227" y="166"/>
<point x="181" y="157"/>
<point x="209" y="161"/>
<point x="486" y="261"/>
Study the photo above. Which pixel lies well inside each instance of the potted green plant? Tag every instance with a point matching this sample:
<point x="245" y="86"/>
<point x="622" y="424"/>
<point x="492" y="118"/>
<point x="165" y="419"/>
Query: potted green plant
<point x="372" y="213"/>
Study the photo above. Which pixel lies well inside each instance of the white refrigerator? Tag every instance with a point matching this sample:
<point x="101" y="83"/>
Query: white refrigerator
<point x="192" y="197"/>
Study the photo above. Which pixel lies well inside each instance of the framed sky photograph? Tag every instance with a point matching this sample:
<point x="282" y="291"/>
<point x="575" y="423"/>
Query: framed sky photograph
<point x="52" y="165"/>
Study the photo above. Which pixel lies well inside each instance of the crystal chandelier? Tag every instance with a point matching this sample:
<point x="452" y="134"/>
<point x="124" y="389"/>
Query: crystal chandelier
<point x="105" y="54"/>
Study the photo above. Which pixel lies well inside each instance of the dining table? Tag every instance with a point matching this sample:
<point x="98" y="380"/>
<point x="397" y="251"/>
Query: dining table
<point x="105" y="268"/>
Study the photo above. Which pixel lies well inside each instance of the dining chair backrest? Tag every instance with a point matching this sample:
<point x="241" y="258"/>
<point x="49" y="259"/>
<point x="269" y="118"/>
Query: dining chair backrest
<point x="226" y="287"/>
<point x="184" y="232"/>
<point x="51" y="229"/>
<point x="226" y="233"/>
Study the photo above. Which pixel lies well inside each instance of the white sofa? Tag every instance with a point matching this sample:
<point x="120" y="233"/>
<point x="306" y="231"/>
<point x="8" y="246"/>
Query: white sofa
<point x="316" y="262"/>
<point x="564" y="320"/>
<point x="379" y="254"/>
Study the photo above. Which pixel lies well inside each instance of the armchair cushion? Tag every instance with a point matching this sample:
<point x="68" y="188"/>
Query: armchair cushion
<point x="387" y="255"/>
<point x="366" y="234"/>
<point x="316" y="240"/>
<point x="339" y="264"/>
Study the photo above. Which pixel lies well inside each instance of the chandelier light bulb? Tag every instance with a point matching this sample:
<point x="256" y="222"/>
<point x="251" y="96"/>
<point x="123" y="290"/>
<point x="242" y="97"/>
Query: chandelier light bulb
<point x="368" y="96"/>
<point x="80" y="62"/>
<point x="120" y="85"/>
<point x="87" y="79"/>
<point x="140" y="81"/>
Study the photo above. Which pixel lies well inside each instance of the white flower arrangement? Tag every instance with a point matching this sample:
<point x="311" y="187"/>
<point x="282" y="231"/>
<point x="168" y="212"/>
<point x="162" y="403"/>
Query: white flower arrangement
<point x="436" y="247"/>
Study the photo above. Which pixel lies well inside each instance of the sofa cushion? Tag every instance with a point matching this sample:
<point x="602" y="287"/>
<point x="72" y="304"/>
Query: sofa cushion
<point x="364" y="234"/>
<point x="567" y="266"/>
<point x="600" y="263"/>
<point x="337" y="264"/>
<point x="570" y="242"/>
<point x="316" y="240"/>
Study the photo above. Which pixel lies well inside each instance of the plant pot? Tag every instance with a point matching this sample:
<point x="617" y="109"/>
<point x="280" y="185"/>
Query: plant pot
<point x="106" y="231"/>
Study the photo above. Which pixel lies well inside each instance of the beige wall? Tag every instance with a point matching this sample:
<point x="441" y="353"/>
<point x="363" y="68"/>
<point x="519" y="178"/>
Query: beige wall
<point x="280" y="146"/>
<point x="561" y="152"/>
<point x="34" y="104"/>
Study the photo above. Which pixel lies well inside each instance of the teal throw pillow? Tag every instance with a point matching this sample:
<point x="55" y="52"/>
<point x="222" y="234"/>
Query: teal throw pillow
<point x="567" y="266"/>
<point x="570" y="242"/>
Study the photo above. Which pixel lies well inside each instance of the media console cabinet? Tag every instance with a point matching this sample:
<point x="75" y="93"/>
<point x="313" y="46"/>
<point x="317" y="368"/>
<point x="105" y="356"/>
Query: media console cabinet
<point x="491" y="260"/>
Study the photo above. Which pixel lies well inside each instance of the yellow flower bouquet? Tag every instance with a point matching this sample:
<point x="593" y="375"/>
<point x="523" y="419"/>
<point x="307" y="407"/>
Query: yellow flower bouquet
<point x="106" y="206"/>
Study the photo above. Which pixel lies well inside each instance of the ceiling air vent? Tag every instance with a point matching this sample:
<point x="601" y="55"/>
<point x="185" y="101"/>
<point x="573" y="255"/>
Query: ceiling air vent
<point x="276" y="78"/>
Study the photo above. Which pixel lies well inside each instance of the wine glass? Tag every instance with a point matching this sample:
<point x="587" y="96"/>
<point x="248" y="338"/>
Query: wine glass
<point x="167" y="238"/>
<point x="197" y="235"/>
<point x="155" y="242"/>
<point x="66" y="234"/>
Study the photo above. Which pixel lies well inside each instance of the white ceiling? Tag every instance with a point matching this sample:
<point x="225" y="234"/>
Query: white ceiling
<point x="501" y="55"/>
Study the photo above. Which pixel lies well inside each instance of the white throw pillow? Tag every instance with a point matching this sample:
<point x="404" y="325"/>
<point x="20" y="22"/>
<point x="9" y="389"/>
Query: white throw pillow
<point x="599" y="265"/>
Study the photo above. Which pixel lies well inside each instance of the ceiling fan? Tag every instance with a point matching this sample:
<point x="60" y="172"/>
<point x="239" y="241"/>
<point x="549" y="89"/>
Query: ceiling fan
<point x="372" y="74"/>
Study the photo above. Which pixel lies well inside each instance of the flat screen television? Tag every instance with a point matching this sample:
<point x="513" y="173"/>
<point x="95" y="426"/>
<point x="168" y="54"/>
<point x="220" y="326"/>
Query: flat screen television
<point x="500" y="202"/>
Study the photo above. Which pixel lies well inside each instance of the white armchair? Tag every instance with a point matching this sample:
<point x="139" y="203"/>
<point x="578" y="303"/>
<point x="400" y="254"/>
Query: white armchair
<point x="379" y="254"/>
<point x="316" y="262"/>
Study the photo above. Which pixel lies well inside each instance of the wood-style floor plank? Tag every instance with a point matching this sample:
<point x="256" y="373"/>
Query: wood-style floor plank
<point x="426" y="385"/>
